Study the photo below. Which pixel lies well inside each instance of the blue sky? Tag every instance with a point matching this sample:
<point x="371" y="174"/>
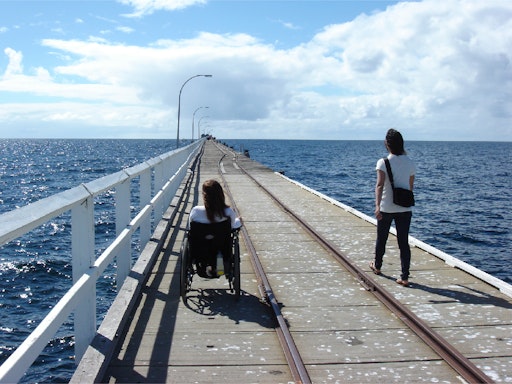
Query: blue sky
<point x="434" y="69"/>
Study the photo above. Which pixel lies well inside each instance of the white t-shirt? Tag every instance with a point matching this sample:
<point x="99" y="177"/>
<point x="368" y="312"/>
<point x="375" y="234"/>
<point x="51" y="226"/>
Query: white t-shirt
<point x="198" y="214"/>
<point x="402" y="168"/>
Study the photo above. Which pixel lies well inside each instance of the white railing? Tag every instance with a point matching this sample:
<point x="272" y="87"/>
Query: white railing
<point x="159" y="180"/>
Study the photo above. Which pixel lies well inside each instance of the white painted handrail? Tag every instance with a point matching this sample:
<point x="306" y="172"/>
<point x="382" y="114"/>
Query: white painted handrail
<point x="162" y="175"/>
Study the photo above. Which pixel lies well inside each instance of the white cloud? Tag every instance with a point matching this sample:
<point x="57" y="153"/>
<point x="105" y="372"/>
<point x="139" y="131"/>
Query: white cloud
<point x="433" y="69"/>
<point x="287" y="24"/>
<point x="423" y="59"/>
<point x="125" y="29"/>
<point x="74" y="120"/>
<point x="14" y="67"/>
<point x="147" y="7"/>
<point x="42" y="84"/>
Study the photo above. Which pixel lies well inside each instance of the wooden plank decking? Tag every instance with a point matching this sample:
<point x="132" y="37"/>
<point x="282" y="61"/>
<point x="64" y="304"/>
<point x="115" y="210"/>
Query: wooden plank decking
<point x="342" y="333"/>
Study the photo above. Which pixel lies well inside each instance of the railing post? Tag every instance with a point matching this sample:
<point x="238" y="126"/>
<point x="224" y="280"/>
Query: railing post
<point x="82" y="244"/>
<point x="159" y="183"/>
<point x="145" y="198"/>
<point x="124" y="256"/>
<point x="171" y="166"/>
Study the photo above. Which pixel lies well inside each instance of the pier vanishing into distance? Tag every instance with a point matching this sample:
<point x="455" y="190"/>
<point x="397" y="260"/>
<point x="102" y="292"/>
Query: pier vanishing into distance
<point x="310" y="308"/>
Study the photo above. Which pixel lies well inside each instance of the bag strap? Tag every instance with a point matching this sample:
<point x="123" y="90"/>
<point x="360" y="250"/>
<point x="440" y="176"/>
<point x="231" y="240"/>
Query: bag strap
<point x="390" y="174"/>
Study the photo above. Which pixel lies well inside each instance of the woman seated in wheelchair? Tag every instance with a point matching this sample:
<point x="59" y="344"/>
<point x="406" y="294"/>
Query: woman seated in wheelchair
<point x="210" y="227"/>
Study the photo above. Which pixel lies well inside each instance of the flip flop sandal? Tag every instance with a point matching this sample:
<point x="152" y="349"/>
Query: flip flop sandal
<point x="403" y="283"/>
<point x="375" y="270"/>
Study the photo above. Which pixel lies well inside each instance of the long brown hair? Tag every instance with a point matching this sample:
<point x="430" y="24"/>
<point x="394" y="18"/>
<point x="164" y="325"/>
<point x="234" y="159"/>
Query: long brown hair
<point x="214" y="200"/>
<point x="395" y="142"/>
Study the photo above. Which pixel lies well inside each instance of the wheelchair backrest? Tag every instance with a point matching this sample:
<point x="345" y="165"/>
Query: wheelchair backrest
<point x="208" y="239"/>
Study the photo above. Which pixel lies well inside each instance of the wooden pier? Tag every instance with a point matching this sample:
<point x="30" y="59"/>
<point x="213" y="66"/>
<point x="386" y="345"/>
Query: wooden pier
<point x="342" y="332"/>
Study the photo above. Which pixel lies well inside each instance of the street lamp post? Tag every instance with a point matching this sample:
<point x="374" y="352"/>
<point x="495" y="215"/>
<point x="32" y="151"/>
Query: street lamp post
<point x="179" y="107"/>
<point x="199" y="124"/>
<point x="194" y="114"/>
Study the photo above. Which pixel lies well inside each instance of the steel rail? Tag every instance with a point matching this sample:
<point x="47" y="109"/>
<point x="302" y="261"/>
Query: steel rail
<point x="454" y="358"/>
<point x="290" y="350"/>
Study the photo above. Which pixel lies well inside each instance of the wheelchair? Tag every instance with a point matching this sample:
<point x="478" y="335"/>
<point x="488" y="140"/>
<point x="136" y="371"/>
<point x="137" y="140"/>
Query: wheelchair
<point x="199" y="249"/>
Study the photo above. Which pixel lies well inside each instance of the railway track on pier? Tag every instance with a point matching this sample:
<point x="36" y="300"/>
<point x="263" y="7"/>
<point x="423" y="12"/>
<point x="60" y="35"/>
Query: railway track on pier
<point x="464" y="368"/>
<point x="309" y="309"/>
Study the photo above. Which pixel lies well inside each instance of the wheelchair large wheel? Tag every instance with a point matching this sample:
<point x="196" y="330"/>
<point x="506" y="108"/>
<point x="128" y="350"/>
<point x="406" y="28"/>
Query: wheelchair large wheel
<point x="236" y="268"/>
<point x="185" y="269"/>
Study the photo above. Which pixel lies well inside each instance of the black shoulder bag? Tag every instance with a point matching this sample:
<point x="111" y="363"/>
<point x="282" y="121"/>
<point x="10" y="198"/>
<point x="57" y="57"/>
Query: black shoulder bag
<point x="401" y="196"/>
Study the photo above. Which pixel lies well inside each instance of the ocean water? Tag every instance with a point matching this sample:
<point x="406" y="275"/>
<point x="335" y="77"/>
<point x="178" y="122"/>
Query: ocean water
<point x="463" y="192"/>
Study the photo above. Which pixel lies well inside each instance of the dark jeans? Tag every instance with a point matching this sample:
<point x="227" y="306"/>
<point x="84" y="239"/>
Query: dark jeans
<point x="402" y="224"/>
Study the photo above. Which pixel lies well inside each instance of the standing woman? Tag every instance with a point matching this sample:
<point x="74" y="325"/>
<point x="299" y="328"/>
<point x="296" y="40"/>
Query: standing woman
<point x="386" y="211"/>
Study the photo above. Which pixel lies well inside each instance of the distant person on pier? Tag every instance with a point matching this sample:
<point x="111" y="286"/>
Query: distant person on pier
<point x="214" y="210"/>
<point x="403" y="171"/>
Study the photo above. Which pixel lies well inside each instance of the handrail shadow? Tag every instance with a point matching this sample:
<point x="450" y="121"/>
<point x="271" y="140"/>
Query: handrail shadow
<point x="207" y="302"/>
<point x="474" y="296"/>
<point x="151" y="294"/>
